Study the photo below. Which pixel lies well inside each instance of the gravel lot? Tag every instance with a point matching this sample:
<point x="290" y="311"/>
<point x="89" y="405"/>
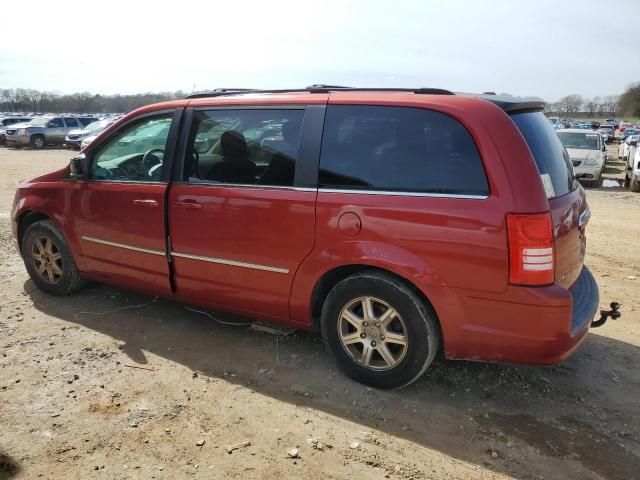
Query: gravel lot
<point x="111" y="384"/>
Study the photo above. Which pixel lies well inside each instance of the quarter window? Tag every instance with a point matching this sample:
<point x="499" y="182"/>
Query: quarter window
<point x="135" y="154"/>
<point x="399" y="149"/>
<point x="244" y="147"/>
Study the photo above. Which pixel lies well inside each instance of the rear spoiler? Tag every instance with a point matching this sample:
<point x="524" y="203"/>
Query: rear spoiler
<point x="510" y="104"/>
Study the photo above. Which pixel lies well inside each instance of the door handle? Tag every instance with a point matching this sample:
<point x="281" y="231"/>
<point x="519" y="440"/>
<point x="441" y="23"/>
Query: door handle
<point x="189" y="204"/>
<point x="145" y="203"/>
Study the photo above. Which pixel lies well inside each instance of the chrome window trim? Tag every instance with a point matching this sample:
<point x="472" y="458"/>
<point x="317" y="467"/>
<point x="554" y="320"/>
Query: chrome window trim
<point x="403" y="194"/>
<point x="233" y="263"/>
<point x="247" y="185"/>
<point x="123" y="245"/>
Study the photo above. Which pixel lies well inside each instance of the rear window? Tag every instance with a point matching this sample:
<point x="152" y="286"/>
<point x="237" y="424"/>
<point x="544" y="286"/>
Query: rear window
<point x="399" y="149"/>
<point x="554" y="164"/>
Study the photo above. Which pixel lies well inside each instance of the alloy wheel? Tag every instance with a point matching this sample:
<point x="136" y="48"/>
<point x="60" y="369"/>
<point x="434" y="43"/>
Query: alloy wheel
<point x="373" y="333"/>
<point x="47" y="259"/>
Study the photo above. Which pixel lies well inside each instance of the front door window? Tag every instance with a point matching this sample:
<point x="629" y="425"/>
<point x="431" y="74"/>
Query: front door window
<point x="134" y="154"/>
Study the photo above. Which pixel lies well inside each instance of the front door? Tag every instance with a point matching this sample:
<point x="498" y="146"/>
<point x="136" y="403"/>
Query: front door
<point x="240" y="220"/>
<point x="119" y="210"/>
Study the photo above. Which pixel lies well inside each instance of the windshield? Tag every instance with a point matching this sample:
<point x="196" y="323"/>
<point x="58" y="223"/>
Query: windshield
<point x="97" y="126"/>
<point x="584" y="141"/>
<point x="39" y="122"/>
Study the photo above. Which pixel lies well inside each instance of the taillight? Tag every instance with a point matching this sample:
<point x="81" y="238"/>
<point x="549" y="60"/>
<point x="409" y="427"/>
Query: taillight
<point x="531" y="259"/>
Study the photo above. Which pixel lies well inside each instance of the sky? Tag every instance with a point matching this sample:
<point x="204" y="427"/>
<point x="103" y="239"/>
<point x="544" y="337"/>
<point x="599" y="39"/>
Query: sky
<point x="545" y="48"/>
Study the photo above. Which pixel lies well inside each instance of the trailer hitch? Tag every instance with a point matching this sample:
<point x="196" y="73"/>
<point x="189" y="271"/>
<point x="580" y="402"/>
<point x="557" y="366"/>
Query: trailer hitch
<point x="614" y="314"/>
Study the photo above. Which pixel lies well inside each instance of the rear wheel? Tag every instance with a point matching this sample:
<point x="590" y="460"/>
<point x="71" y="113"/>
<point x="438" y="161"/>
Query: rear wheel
<point x="379" y="331"/>
<point x="38" y="142"/>
<point x="48" y="259"/>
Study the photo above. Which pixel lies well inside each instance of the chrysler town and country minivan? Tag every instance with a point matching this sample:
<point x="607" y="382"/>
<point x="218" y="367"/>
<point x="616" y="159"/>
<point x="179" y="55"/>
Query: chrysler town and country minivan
<point x="398" y="223"/>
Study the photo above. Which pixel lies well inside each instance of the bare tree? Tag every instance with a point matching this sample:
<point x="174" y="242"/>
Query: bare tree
<point x="571" y="104"/>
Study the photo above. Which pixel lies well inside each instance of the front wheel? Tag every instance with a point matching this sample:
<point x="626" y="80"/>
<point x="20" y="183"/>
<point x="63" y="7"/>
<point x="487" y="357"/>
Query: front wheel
<point x="48" y="259"/>
<point x="634" y="185"/>
<point x="380" y="332"/>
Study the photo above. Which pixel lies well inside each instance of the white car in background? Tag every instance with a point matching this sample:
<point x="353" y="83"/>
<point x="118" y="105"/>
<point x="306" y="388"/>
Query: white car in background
<point x="587" y="151"/>
<point x="632" y="174"/>
<point x="623" y="148"/>
<point x="74" y="137"/>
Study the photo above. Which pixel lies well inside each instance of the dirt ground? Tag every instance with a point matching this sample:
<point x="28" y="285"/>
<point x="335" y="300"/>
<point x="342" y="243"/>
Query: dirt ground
<point x="111" y="384"/>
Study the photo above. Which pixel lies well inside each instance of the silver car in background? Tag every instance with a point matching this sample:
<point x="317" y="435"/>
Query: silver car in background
<point x="587" y="152"/>
<point x="43" y="131"/>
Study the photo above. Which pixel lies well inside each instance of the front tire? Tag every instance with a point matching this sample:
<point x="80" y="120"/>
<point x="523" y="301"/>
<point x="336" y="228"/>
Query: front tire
<point x="380" y="332"/>
<point x="634" y="185"/>
<point x="48" y="259"/>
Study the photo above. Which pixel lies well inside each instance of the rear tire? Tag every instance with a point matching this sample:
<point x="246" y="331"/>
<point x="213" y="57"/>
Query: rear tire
<point x="380" y="332"/>
<point x="38" y="142"/>
<point x="48" y="259"/>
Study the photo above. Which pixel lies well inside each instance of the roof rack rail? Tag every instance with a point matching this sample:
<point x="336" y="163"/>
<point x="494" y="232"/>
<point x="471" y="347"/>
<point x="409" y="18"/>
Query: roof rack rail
<point x="319" y="88"/>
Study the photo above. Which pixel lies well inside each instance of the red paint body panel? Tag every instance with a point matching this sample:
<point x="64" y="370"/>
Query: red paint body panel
<point x="261" y="226"/>
<point x="108" y="211"/>
<point x="453" y="250"/>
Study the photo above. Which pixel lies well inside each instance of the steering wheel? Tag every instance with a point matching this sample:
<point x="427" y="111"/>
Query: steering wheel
<point x="149" y="168"/>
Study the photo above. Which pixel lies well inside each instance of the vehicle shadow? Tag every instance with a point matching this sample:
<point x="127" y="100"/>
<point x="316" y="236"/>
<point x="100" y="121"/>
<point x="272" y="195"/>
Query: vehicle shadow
<point x="8" y="467"/>
<point x="582" y="410"/>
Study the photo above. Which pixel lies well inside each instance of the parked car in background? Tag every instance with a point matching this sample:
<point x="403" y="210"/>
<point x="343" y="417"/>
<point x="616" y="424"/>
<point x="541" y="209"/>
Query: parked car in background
<point x="624" y="125"/>
<point x="43" y="131"/>
<point x="611" y="127"/>
<point x="613" y="122"/>
<point x="388" y="221"/>
<point x="75" y="137"/>
<point x="606" y="134"/>
<point x="628" y="132"/>
<point x="587" y="153"/>
<point x="632" y="174"/>
<point x="9" y="120"/>
<point x="624" y="147"/>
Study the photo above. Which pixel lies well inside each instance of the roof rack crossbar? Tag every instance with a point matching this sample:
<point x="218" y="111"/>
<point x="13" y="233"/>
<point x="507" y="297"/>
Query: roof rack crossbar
<point x="318" y="88"/>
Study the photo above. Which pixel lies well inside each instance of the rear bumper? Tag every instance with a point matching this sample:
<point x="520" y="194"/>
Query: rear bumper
<point x="528" y="325"/>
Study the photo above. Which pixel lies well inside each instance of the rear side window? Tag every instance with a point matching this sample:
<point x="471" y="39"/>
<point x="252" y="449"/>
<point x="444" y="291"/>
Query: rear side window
<point x="554" y="164"/>
<point x="399" y="149"/>
<point x="71" y="122"/>
<point x="244" y="147"/>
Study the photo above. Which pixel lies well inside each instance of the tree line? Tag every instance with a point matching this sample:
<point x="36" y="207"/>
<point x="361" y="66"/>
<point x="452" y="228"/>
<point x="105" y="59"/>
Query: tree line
<point x="27" y="100"/>
<point x="574" y="104"/>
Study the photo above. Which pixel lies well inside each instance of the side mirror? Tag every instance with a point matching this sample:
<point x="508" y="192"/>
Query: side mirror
<point x="79" y="167"/>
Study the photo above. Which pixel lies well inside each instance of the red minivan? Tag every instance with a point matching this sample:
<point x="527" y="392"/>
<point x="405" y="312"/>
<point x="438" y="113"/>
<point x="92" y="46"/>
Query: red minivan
<point x="395" y="222"/>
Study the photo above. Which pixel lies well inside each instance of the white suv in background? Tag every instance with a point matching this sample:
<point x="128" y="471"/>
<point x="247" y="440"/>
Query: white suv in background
<point x="588" y="153"/>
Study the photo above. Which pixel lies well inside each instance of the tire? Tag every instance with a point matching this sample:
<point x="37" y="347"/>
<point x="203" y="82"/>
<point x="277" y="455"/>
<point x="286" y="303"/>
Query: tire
<point x="634" y="185"/>
<point x="413" y="321"/>
<point x="38" y="141"/>
<point x="56" y="273"/>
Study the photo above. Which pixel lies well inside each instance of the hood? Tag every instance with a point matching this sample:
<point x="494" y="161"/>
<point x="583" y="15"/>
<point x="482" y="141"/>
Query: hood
<point x="582" y="152"/>
<point x="18" y="125"/>
<point x="77" y="131"/>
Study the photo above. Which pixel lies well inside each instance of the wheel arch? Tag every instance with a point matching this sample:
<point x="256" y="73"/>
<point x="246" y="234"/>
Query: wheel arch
<point x="27" y="219"/>
<point x="332" y="277"/>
